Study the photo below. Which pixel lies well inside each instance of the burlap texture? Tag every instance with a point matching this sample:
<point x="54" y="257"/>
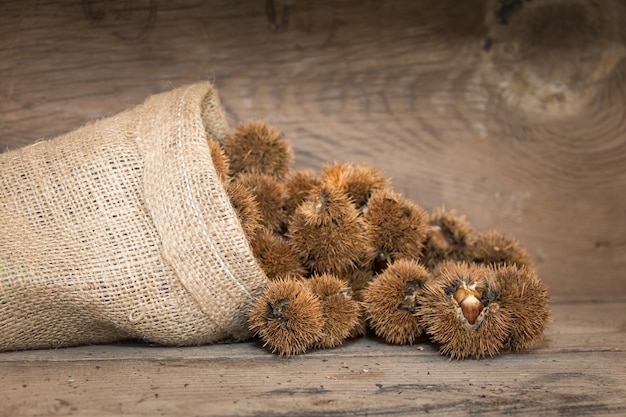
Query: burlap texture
<point x="121" y="230"/>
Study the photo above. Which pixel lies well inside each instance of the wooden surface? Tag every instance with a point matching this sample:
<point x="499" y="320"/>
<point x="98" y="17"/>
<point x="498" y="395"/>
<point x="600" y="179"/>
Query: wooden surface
<point x="510" y="111"/>
<point x="577" y="371"/>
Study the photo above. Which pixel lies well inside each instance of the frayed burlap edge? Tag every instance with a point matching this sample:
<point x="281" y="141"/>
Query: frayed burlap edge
<point x="203" y="240"/>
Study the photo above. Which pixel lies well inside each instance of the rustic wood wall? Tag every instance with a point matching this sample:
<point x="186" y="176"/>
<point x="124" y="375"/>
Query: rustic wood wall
<point x="510" y="111"/>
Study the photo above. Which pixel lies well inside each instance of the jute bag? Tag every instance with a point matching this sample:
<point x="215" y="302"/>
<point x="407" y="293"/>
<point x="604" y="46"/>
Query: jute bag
<point x="122" y="230"/>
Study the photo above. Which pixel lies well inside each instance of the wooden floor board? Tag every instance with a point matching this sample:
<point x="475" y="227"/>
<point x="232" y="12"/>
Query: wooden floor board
<point x="578" y="370"/>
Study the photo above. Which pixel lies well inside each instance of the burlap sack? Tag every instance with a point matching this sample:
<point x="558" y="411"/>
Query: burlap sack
<point x="122" y="229"/>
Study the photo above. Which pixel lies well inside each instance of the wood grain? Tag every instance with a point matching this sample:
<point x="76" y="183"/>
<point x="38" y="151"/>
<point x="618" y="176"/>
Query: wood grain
<point x="512" y="112"/>
<point x="578" y="370"/>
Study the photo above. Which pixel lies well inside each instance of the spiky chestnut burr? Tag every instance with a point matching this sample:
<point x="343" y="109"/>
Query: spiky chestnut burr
<point x="358" y="279"/>
<point x="361" y="328"/>
<point x="299" y="185"/>
<point x="392" y="299"/>
<point x="246" y="206"/>
<point x="526" y="297"/>
<point x="341" y="312"/>
<point x="462" y="311"/>
<point x="270" y="195"/>
<point x="275" y="255"/>
<point x="260" y="148"/>
<point x="359" y="182"/>
<point x="396" y="228"/>
<point x="287" y="317"/>
<point x="448" y="237"/>
<point x="220" y="161"/>
<point x="494" y="247"/>
<point x="328" y="234"/>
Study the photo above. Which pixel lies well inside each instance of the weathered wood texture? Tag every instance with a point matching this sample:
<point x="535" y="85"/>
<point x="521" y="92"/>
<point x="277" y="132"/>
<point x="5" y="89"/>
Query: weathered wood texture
<point x="579" y="370"/>
<point x="510" y="111"/>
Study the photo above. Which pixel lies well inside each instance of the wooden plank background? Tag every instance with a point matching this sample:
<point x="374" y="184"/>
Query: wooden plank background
<point x="510" y="111"/>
